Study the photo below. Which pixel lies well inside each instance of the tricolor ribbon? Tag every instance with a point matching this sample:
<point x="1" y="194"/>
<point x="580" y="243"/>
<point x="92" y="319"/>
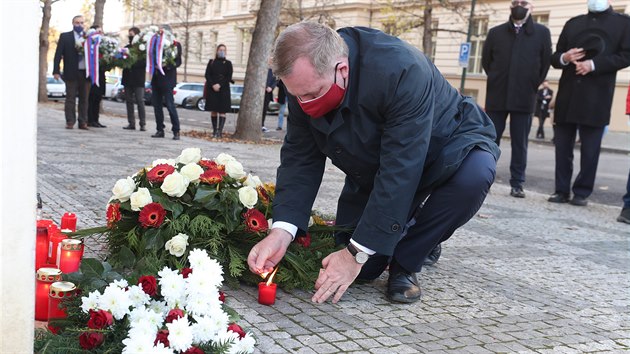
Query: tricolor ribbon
<point x="91" y="50"/>
<point x="154" y="53"/>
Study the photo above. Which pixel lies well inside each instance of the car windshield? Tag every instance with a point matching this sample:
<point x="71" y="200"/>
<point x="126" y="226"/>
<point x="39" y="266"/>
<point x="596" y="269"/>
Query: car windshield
<point x="51" y="80"/>
<point x="236" y="89"/>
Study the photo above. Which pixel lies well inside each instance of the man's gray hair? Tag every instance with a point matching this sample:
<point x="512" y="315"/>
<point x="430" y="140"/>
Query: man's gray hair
<point x="322" y="45"/>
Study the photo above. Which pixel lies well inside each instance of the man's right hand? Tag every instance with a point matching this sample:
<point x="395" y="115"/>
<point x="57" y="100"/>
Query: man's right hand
<point x="266" y="254"/>
<point x="573" y="55"/>
<point x="56" y="76"/>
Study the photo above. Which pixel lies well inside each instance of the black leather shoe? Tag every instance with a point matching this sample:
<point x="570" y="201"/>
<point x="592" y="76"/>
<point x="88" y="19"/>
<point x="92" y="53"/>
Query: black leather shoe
<point x="559" y="198"/>
<point x="433" y="257"/>
<point x="129" y="127"/>
<point x="99" y="125"/>
<point x="402" y="286"/>
<point x="143" y="129"/>
<point x="624" y="216"/>
<point x="93" y="125"/>
<point x="578" y="201"/>
<point x="175" y="136"/>
<point x="158" y="134"/>
<point x="517" y="192"/>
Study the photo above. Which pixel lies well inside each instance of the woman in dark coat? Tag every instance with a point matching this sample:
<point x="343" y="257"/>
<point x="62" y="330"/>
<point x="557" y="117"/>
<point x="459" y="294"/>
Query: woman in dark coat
<point x="217" y="89"/>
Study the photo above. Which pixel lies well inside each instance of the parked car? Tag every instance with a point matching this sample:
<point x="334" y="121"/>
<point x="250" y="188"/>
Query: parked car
<point x="118" y="92"/>
<point x="55" y="88"/>
<point x="236" y="92"/>
<point x="111" y="82"/>
<point x="148" y="93"/>
<point x="184" y="90"/>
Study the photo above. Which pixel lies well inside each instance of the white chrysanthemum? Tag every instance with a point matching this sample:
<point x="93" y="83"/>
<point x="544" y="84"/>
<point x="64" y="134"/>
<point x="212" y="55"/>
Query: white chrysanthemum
<point x="206" y="328"/>
<point x="224" y="158"/>
<point x="224" y="336"/>
<point x="180" y="334"/>
<point x="90" y="302"/>
<point x="189" y="155"/>
<point x="235" y="169"/>
<point x="142" y="329"/>
<point x="252" y="181"/>
<point x="192" y="171"/>
<point x="197" y="305"/>
<point x="115" y="300"/>
<point x="159" y="348"/>
<point x="146" y="317"/>
<point x="122" y="283"/>
<point x="171" y="162"/>
<point x="159" y="307"/>
<point x="173" y="288"/>
<point x="244" y="345"/>
<point x="138" y="344"/>
<point x="138" y="297"/>
<point x="196" y="257"/>
<point x="204" y="282"/>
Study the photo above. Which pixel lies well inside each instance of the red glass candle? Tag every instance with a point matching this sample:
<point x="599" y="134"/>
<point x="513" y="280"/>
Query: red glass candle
<point x="41" y="243"/>
<point x="69" y="221"/>
<point x="69" y="255"/>
<point x="267" y="290"/>
<point x="45" y="277"/>
<point x="54" y="240"/>
<point x="58" y="291"/>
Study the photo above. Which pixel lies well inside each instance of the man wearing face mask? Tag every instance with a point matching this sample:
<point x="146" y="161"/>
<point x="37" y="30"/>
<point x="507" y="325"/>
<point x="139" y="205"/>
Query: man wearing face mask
<point x="516" y="59"/>
<point x="419" y="157"/>
<point x="590" y="51"/>
<point x="70" y="49"/>
<point x="133" y="82"/>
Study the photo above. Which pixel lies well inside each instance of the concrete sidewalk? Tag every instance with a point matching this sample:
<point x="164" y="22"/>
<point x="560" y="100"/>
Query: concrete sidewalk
<point x="523" y="275"/>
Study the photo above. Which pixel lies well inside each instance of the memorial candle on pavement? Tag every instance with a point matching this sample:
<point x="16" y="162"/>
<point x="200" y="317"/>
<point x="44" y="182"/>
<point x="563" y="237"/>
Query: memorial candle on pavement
<point x="69" y="221"/>
<point x="45" y="277"/>
<point x="267" y="290"/>
<point x="69" y="255"/>
<point x="54" y="240"/>
<point x="58" y="291"/>
<point x="41" y="243"/>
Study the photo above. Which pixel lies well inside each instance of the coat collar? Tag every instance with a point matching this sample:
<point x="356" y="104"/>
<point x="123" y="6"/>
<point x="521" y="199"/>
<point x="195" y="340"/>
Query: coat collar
<point x="600" y="14"/>
<point x="528" y="25"/>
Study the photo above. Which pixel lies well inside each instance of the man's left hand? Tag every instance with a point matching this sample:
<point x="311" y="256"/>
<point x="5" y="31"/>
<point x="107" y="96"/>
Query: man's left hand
<point x="583" y="67"/>
<point x="340" y="270"/>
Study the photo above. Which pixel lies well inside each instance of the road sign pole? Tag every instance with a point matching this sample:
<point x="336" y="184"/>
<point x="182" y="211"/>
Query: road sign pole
<point x="470" y="24"/>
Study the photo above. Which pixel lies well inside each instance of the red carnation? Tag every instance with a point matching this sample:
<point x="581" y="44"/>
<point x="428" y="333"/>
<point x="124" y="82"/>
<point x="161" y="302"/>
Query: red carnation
<point x="91" y="340"/>
<point x="210" y="165"/>
<point x="162" y="337"/>
<point x="212" y="176"/>
<point x="159" y="172"/>
<point x="221" y="296"/>
<point x="148" y="284"/>
<point x="152" y="215"/>
<point x="186" y="272"/>
<point x="100" y="319"/>
<point x="236" y="329"/>
<point x="113" y="214"/>
<point x="305" y="240"/>
<point x="255" y="221"/>
<point x="173" y="315"/>
<point x="194" y="350"/>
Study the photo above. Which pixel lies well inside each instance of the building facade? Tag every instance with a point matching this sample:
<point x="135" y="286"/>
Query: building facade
<point x="207" y="23"/>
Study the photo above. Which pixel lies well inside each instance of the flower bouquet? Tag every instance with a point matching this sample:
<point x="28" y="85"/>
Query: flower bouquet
<point x="158" y="215"/>
<point x="179" y="312"/>
<point x="155" y="45"/>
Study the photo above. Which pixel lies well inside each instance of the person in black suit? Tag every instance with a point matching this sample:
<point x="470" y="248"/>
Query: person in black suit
<point x="70" y="49"/>
<point x="133" y="82"/>
<point x="162" y="85"/>
<point x="271" y="84"/>
<point x="96" y="94"/>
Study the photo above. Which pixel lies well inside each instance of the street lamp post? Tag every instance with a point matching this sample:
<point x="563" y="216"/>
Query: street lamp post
<point x="470" y="25"/>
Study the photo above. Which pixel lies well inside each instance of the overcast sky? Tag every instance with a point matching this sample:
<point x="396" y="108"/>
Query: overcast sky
<point x="64" y="10"/>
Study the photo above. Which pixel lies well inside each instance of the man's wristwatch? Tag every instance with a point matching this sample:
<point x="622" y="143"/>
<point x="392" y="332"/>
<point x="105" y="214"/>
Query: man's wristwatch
<point x="359" y="256"/>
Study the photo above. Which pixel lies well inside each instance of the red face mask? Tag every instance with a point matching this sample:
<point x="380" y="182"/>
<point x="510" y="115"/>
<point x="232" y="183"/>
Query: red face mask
<point x="319" y="106"/>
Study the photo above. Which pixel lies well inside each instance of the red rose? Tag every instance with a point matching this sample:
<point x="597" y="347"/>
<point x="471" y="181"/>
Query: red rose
<point x="255" y="221"/>
<point x="91" y="340"/>
<point x="186" y="272"/>
<point x="194" y="350"/>
<point x="148" y="284"/>
<point x="100" y="319"/>
<point x="113" y="214"/>
<point x="152" y="215"/>
<point x="305" y="240"/>
<point x="212" y="176"/>
<point x="236" y="329"/>
<point x="162" y="337"/>
<point x="221" y="296"/>
<point x="159" y="172"/>
<point x="173" y="315"/>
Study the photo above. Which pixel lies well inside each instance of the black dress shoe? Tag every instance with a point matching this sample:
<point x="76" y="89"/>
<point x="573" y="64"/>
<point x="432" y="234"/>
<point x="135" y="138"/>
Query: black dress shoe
<point x="578" y="201"/>
<point x="402" y="286"/>
<point x="129" y="127"/>
<point x="433" y="257"/>
<point x="93" y="125"/>
<point x="99" y="125"/>
<point x="176" y="136"/>
<point x="517" y="192"/>
<point x="143" y="129"/>
<point x="624" y="216"/>
<point x="559" y="198"/>
<point x="158" y="134"/>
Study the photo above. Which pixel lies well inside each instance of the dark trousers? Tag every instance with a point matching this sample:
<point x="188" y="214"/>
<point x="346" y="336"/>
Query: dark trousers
<point x="447" y="208"/>
<point x="591" y="142"/>
<point x="160" y="95"/>
<point x="520" y="124"/>
<point x="268" y="98"/>
<point x="626" y="198"/>
<point x="94" y="104"/>
<point x="74" y="88"/>
<point x="540" y="133"/>
<point x="135" y="95"/>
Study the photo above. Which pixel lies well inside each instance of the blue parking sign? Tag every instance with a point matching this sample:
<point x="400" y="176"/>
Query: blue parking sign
<point x="464" y="54"/>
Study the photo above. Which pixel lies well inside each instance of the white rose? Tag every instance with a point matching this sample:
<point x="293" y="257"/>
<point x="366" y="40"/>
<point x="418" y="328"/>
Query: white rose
<point x="252" y="181"/>
<point x="192" y="171"/>
<point x="248" y="196"/>
<point x="140" y="198"/>
<point x="177" y="245"/>
<point x="123" y="189"/>
<point x="175" y="185"/>
<point x="142" y="47"/>
<point x="171" y="162"/>
<point x="189" y="155"/>
<point x="223" y="159"/>
<point x="135" y="39"/>
<point x="311" y="221"/>
<point x="234" y="169"/>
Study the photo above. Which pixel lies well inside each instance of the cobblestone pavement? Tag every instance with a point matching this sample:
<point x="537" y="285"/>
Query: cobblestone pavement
<point x="523" y="276"/>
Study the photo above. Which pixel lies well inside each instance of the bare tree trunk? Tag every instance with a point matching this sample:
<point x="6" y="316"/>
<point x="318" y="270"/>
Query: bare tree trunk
<point x="99" y="6"/>
<point x="427" y="34"/>
<point x="186" y="52"/>
<point x="248" y="125"/>
<point x="42" y="95"/>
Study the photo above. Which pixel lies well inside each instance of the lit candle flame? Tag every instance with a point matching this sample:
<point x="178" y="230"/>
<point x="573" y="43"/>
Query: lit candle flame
<point x="271" y="276"/>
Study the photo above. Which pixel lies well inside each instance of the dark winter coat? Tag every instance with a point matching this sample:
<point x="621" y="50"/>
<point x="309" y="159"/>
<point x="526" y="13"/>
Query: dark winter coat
<point x="67" y="50"/>
<point x="135" y="76"/>
<point x="218" y="71"/>
<point x="394" y="140"/>
<point x="516" y="64"/>
<point x="169" y="79"/>
<point x="588" y="99"/>
<point x="542" y="103"/>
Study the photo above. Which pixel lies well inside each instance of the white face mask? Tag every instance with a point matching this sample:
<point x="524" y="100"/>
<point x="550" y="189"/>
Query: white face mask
<point x="597" y="5"/>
